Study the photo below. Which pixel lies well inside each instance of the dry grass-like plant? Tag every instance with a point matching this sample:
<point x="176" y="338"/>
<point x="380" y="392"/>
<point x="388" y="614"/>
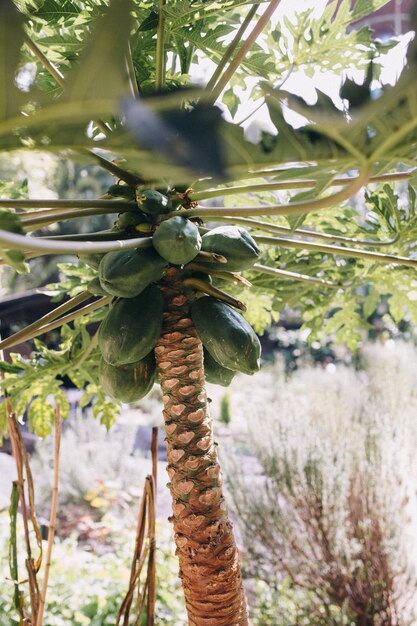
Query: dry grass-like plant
<point x="334" y="508"/>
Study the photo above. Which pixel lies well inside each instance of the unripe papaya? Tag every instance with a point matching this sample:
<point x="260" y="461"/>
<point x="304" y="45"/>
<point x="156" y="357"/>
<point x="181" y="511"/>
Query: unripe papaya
<point x="128" y="383"/>
<point x="177" y="240"/>
<point x="125" y="273"/>
<point x="122" y="191"/>
<point x="228" y="337"/>
<point x="129" y="218"/>
<point x="153" y="202"/>
<point x="132" y="327"/>
<point x="234" y="243"/>
<point x="94" y="287"/>
<point x="216" y="373"/>
<point x="92" y="260"/>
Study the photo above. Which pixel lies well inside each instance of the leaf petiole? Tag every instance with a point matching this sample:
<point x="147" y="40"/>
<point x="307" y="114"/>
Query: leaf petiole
<point x="377" y="257"/>
<point x="59" y="322"/>
<point x="20" y="336"/>
<point x="279" y="273"/>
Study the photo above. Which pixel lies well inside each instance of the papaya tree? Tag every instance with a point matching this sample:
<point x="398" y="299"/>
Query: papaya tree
<point x="179" y="285"/>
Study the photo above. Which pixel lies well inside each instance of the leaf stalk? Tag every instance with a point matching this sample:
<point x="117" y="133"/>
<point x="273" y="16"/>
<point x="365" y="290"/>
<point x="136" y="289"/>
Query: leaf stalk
<point x="160" y="48"/>
<point x="280" y="273"/>
<point x="366" y="255"/>
<point x="55" y="246"/>
<point x="21" y="335"/>
<point x="243" y="50"/>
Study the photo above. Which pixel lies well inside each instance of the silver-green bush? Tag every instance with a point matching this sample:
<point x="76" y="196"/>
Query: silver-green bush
<point x="330" y="504"/>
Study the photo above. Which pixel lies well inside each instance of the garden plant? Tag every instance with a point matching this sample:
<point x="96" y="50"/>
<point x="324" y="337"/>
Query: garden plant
<point x="179" y="285"/>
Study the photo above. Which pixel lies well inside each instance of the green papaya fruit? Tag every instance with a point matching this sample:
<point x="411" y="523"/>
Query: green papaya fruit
<point x="228" y="337"/>
<point x="234" y="243"/>
<point x="132" y="327"/>
<point x="177" y="240"/>
<point x="129" y="218"/>
<point x="216" y="373"/>
<point x="94" y="287"/>
<point x="128" y="383"/>
<point x="122" y="191"/>
<point x="92" y="260"/>
<point x="125" y="273"/>
<point x="153" y="202"/>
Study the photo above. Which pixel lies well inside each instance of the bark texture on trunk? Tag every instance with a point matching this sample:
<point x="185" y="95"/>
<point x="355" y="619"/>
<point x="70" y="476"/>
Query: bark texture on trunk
<point x="209" y="560"/>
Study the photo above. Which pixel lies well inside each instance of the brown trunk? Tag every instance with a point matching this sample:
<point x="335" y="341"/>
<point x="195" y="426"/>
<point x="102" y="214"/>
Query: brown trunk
<point x="209" y="560"/>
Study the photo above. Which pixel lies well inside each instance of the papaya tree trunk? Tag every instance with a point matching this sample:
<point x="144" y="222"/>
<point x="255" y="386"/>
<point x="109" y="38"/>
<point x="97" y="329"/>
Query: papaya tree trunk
<point x="208" y="556"/>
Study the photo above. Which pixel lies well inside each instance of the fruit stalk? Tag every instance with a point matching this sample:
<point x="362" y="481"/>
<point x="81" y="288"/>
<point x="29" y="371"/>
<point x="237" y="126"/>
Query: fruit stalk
<point x="208" y="556"/>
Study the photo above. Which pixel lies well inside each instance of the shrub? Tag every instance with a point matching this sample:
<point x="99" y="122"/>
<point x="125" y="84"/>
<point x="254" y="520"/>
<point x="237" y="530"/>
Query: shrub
<point x="86" y="589"/>
<point x="91" y="460"/>
<point x="332" y="505"/>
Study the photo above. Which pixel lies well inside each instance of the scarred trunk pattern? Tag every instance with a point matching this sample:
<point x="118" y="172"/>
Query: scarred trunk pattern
<point x="209" y="560"/>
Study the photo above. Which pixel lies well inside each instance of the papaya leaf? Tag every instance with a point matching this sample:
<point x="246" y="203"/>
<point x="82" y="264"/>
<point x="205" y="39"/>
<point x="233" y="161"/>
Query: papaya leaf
<point x="362" y="8"/>
<point x="54" y="11"/>
<point x="185" y="12"/>
<point x="15" y="258"/>
<point x="11" y="40"/>
<point x="190" y="138"/>
<point x="101" y="72"/>
<point x="232" y="101"/>
<point x="9" y="368"/>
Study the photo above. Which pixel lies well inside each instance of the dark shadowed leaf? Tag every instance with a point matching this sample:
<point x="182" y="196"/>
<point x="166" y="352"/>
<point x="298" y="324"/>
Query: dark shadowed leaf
<point x="190" y="138"/>
<point x="11" y="39"/>
<point x="102" y="71"/>
<point x="150" y="22"/>
<point x="55" y="10"/>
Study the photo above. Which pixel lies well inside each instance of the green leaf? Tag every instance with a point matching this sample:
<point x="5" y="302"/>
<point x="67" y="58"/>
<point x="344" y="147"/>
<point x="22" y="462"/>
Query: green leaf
<point x="231" y="100"/>
<point x="102" y="73"/>
<point x="396" y="307"/>
<point x="54" y="11"/>
<point x="361" y="8"/>
<point x="9" y="368"/>
<point x="11" y="40"/>
<point x="15" y="258"/>
<point x="371" y="302"/>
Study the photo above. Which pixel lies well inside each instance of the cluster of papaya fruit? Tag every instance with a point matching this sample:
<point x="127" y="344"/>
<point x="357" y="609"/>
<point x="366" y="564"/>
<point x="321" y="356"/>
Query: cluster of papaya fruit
<point x="132" y="327"/>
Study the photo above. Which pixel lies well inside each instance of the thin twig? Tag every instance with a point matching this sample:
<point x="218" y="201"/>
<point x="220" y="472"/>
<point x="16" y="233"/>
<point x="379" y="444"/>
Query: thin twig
<point x="292" y="208"/>
<point x="36" y="223"/>
<point x="377" y="257"/>
<point x="21" y="462"/>
<point x="52" y="518"/>
<point x="131" y="71"/>
<point x="56" y="246"/>
<point x="151" y="575"/>
<point x="154" y="455"/>
<point x="49" y="317"/>
<point x="160" y="47"/>
<point x="13" y="562"/>
<point x="286" y="230"/>
<point x="290" y="184"/>
<point x="204" y="287"/>
<point x="231" y="276"/>
<point x="210" y="257"/>
<point x="246" y="46"/>
<point x="279" y="273"/>
<point x="55" y="73"/>
<point x="125" y="175"/>
<point x="231" y="48"/>
<point x="10" y="342"/>
<point x="138" y="559"/>
<point x="62" y="205"/>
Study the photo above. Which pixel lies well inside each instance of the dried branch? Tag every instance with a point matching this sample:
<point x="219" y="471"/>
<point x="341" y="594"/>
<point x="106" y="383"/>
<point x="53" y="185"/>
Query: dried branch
<point x="52" y="518"/>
